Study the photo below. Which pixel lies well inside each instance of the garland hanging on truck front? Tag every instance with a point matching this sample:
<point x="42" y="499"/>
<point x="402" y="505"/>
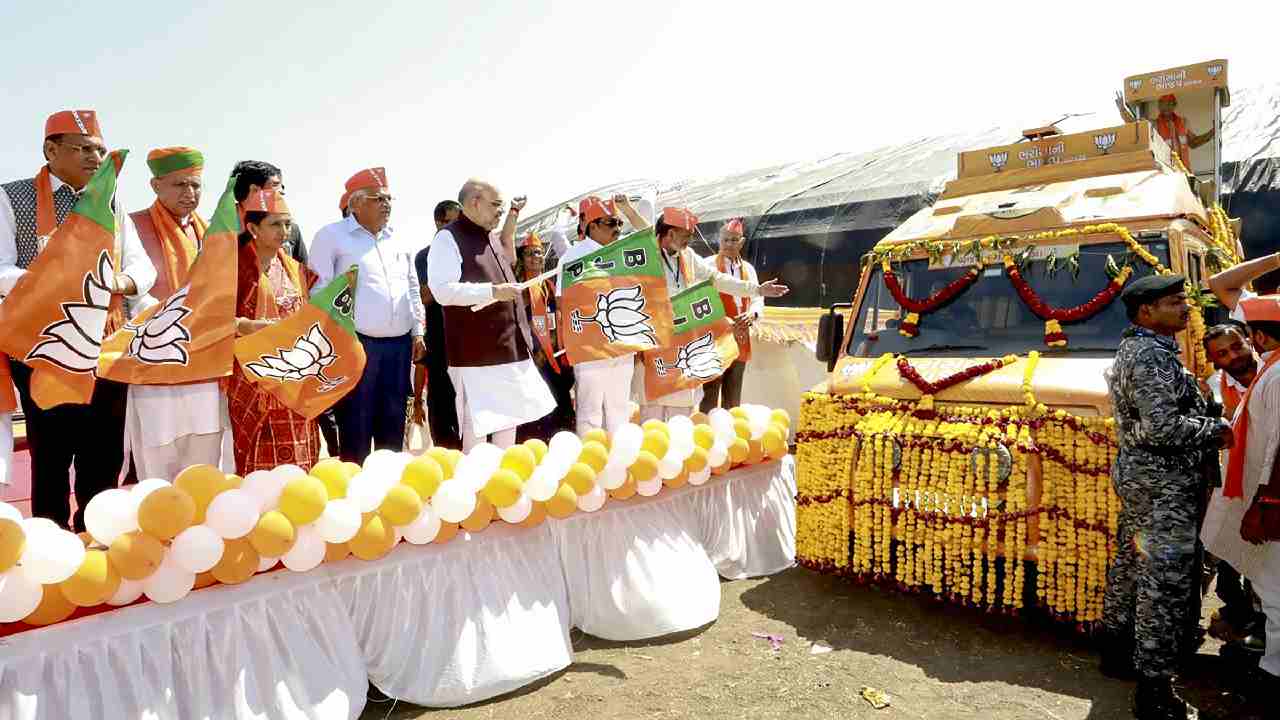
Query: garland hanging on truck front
<point x="1053" y="316"/>
<point x="910" y="326"/>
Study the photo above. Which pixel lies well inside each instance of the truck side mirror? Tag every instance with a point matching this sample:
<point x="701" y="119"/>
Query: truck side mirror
<point x="830" y="335"/>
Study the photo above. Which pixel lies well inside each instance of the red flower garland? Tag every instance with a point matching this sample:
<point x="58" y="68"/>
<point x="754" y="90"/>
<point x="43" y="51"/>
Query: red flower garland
<point x="1054" y="317"/>
<point x="911" y="375"/>
<point x="914" y="308"/>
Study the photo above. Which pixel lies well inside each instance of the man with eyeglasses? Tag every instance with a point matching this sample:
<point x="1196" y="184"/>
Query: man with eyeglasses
<point x="726" y="390"/>
<point x="388" y="314"/>
<point x="602" y="387"/>
<point x="91" y="436"/>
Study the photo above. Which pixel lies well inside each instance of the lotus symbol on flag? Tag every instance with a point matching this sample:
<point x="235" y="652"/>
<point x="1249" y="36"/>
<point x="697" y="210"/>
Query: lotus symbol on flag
<point x="998" y="160"/>
<point x="75" y="342"/>
<point x="156" y="340"/>
<point x="697" y="359"/>
<point x="1213" y="70"/>
<point x="309" y="356"/>
<point x="620" y="315"/>
<point x="1104" y="141"/>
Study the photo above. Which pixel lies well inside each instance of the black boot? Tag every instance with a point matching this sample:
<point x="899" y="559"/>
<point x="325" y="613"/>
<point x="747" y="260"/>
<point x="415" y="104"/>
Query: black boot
<point x="1155" y="700"/>
<point x="1117" y="658"/>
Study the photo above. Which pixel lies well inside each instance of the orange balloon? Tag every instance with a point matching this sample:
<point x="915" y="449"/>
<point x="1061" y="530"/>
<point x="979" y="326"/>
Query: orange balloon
<point x="333" y="552"/>
<point x="722" y="469"/>
<point x="697" y="461"/>
<point x="448" y="531"/>
<point x="85" y="538"/>
<point x="135" y="555"/>
<point x="202" y="483"/>
<point x="738" y="450"/>
<point x="239" y="562"/>
<point x="700" y="418"/>
<point x="480" y="517"/>
<point x="678" y="481"/>
<point x="165" y="512"/>
<point x="564" y="503"/>
<point x="626" y="490"/>
<point x="755" y="452"/>
<point x="94" y="582"/>
<point x="54" y="607"/>
<point x="537" y="514"/>
<point x="204" y="580"/>
<point x="374" y="539"/>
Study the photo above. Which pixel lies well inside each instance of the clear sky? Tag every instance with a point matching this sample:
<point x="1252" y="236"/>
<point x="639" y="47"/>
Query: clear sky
<point x="551" y="99"/>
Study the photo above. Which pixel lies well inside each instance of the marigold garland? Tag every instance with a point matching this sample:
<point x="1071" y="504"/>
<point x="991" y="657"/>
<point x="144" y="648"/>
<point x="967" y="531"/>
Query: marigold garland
<point x="1054" y="316"/>
<point x="910" y="326"/>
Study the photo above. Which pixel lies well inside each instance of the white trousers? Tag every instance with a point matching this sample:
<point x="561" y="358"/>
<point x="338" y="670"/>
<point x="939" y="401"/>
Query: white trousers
<point x="664" y="412"/>
<point x="503" y="438"/>
<point x="603" y="390"/>
<point x="166" y="461"/>
<point x="1269" y="594"/>
<point x="6" y="447"/>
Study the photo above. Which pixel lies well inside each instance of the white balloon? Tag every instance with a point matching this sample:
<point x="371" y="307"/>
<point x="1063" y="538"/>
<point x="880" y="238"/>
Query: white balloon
<point x="629" y="436"/>
<point x="718" y="454"/>
<point x="669" y="467"/>
<point x="232" y="513"/>
<point x="757" y="428"/>
<point x="367" y="490"/>
<point x="517" y="512"/>
<point x="424" y="528"/>
<point x="453" y="501"/>
<point x="612" y="477"/>
<point x="542" y="484"/>
<point x="9" y="512"/>
<point x="701" y="476"/>
<point x="110" y="514"/>
<point x="197" y="549"/>
<point x="722" y="424"/>
<point x="265" y="486"/>
<point x="128" y="591"/>
<point x="33" y="525"/>
<point x="51" y="556"/>
<point x="593" y="500"/>
<point x="680" y="425"/>
<point x="649" y="487"/>
<point x="288" y="471"/>
<point x="339" y="522"/>
<point x="382" y="464"/>
<point x="307" y="551"/>
<point x="571" y="444"/>
<point x="170" y="582"/>
<point x="471" y="477"/>
<point x="146" y="487"/>
<point x="19" y="595"/>
<point x="266" y="563"/>
<point x="487" y="457"/>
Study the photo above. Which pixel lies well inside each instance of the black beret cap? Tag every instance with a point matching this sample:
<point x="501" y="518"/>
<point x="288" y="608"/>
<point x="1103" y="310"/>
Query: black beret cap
<point x="1151" y="288"/>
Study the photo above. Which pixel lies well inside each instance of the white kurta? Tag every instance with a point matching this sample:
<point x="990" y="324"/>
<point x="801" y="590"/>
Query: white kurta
<point x="171" y="427"/>
<point x="497" y="397"/>
<point x="1221" y="530"/>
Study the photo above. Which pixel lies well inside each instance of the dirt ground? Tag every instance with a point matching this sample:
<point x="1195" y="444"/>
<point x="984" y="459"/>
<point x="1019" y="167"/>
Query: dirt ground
<point x="933" y="660"/>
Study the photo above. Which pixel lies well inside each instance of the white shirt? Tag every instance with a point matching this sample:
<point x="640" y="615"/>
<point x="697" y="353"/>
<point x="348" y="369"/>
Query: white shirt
<point x="702" y="269"/>
<point x="743" y="270"/>
<point x="388" y="303"/>
<point x="1237" y="313"/>
<point x="558" y="235"/>
<point x="134" y="260"/>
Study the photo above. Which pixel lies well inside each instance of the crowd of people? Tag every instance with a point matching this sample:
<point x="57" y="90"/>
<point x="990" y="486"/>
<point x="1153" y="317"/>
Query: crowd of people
<point x="1195" y="478"/>
<point x="459" y="331"/>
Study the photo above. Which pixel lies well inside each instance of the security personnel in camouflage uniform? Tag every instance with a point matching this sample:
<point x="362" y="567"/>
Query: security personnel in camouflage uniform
<point x="1165" y="431"/>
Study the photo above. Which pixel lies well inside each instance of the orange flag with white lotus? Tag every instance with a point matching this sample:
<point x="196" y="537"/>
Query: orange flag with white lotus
<point x="190" y="335"/>
<point x="56" y="315"/>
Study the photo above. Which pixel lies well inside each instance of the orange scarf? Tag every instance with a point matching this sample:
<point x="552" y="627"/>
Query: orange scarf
<point x="1174" y="132"/>
<point x="538" y="305"/>
<point x="1231" y="397"/>
<point x="1234" y="486"/>
<point x="684" y="274"/>
<point x="179" y="252"/>
<point x="736" y="306"/>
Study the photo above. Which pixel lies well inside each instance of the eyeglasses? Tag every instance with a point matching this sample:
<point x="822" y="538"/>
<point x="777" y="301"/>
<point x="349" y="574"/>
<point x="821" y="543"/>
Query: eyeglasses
<point x="609" y="222"/>
<point x="381" y="199"/>
<point x="732" y="239"/>
<point x="534" y="252"/>
<point x="86" y="148"/>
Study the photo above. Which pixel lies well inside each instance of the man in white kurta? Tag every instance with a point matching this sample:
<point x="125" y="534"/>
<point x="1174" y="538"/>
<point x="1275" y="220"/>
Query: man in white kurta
<point x="684" y="268"/>
<point x="497" y="384"/>
<point x="1260" y="437"/>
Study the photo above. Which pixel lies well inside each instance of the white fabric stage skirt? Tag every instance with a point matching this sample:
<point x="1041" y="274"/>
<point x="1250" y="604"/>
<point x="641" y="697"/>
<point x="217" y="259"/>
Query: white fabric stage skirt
<point x="439" y="626"/>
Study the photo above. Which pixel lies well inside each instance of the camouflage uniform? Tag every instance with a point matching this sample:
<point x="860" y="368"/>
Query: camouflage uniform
<point x="1165" y="433"/>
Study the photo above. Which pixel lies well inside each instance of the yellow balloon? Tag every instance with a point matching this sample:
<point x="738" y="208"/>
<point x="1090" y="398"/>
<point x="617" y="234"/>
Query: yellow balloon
<point x="645" y="466"/>
<point x="166" y="512"/>
<point x="742" y="429"/>
<point x="696" y="461"/>
<point x="658" y="426"/>
<point x="564" y="503"/>
<point x="233" y="481"/>
<point x="755" y="452"/>
<point x="739" y="413"/>
<point x="655" y="442"/>
<point x="624" y="491"/>
<point x="424" y="475"/>
<point x="401" y="506"/>
<point x="274" y="535"/>
<point x="538" y="447"/>
<point x="597" y="435"/>
<point x="595" y="454"/>
<point x="135" y="555"/>
<point x="54" y="607"/>
<point x="12" y="542"/>
<point x="351" y="469"/>
<point x="703" y="436"/>
<point x="738" y="450"/>
<point x="781" y="416"/>
<point x="95" y="581"/>
<point x="503" y="488"/>
<point x="519" y="460"/>
<point x="333" y="474"/>
<point x="445" y="458"/>
<point x="374" y="539"/>
<point x="303" y="499"/>
<point x="581" y="478"/>
<point x="238" y="563"/>
<point x="202" y="483"/>
<point x="480" y="517"/>
<point x="774" y="441"/>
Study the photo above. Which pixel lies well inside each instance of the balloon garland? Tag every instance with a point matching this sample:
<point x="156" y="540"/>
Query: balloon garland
<point x="162" y="540"/>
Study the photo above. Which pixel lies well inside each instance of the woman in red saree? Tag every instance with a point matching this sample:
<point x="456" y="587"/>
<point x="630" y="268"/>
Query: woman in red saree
<point x="272" y="286"/>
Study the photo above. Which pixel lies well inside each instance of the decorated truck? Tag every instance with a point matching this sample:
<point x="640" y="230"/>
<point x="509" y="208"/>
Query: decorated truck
<point x="962" y="443"/>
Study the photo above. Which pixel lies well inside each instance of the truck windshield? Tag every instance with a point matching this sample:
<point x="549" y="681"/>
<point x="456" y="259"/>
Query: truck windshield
<point x="989" y="318"/>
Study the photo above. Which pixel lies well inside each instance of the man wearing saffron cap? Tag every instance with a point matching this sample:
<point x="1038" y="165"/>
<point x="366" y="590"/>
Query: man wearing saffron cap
<point x="388" y="314"/>
<point x="1166" y="433"/>
<point x="488" y="349"/>
<point x="169" y="427"/>
<point x="30" y="210"/>
<point x="726" y="390"/>
<point x="684" y="268"/>
<point x="602" y="387"/>
<point x="1173" y="128"/>
<point x="1242" y="525"/>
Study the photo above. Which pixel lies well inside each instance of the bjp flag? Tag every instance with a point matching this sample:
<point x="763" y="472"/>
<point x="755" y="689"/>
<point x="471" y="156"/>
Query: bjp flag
<point x="701" y="350"/>
<point x="312" y="358"/>
<point x="190" y="336"/>
<point x="614" y="301"/>
<point x="55" y="317"/>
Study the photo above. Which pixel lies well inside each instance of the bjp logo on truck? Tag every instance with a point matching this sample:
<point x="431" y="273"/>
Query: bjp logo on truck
<point x="1104" y="141"/>
<point x="1214" y="70"/>
<point x="998" y="160"/>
